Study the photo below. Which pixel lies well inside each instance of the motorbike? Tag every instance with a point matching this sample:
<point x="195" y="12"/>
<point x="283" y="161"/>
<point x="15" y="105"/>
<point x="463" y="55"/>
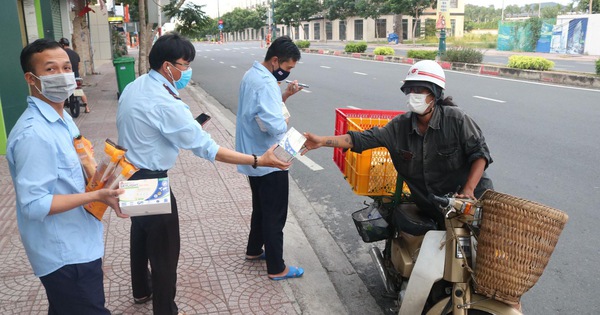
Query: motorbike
<point x="75" y="101"/>
<point x="431" y="271"/>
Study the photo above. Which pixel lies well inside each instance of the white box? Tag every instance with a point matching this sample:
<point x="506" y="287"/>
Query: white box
<point x="145" y="197"/>
<point x="290" y="145"/>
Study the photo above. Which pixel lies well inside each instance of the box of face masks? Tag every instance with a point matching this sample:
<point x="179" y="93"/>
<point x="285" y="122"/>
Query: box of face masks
<point x="290" y="146"/>
<point x="145" y="197"/>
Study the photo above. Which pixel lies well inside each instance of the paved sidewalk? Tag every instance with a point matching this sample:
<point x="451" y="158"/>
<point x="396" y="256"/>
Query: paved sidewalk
<point x="214" y="208"/>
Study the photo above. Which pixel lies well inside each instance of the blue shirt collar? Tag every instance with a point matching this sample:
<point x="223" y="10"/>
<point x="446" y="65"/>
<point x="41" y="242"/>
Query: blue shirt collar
<point x="160" y="78"/>
<point x="45" y="109"/>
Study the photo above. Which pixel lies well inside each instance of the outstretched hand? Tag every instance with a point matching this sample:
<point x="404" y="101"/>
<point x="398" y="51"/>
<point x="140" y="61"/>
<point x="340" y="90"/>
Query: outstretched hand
<point x="312" y="142"/>
<point x="269" y="159"/>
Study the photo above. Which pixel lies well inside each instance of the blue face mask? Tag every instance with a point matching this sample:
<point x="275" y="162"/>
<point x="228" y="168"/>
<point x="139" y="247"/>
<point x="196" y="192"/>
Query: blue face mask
<point x="186" y="76"/>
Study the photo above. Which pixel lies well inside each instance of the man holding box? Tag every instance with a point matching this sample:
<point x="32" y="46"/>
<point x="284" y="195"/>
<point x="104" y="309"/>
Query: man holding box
<point x="154" y="124"/>
<point x="63" y="242"/>
<point x="260" y="124"/>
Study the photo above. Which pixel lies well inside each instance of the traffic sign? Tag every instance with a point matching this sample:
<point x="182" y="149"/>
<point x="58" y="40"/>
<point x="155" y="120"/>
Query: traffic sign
<point x="220" y="26"/>
<point x="220" y="22"/>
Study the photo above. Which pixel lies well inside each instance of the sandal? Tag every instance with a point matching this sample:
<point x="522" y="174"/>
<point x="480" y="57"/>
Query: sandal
<point x="294" y="272"/>
<point x="87" y="111"/>
<point x="259" y="257"/>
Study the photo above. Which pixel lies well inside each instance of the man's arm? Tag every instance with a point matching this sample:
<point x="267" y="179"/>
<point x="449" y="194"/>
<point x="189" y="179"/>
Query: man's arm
<point x="62" y="203"/>
<point x="314" y="142"/>
<point x="233" y="157"/>
<point x="475" y="173"/>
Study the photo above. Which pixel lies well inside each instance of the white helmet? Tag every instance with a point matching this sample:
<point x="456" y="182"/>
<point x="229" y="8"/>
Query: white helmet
<point x="427" y="70"/>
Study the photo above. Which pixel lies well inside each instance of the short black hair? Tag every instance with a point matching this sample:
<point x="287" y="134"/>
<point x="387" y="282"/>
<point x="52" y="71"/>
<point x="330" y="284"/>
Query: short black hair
<point x="284" y="49"/>
<point x="37" y="46"/>
<point x="64" y="42"/>
<point x="171" y="47"/>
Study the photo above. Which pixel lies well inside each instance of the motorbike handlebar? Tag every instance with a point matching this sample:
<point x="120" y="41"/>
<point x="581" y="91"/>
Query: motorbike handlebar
<point x="439" y="201"/>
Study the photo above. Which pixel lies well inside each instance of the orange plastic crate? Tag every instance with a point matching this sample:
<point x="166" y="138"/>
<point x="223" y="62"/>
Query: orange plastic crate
<point x="341" y="127"/>
<point x="372" y="172"/>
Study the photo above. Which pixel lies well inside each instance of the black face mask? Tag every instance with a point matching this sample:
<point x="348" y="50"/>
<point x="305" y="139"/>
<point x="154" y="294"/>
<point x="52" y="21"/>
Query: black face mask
<point x="280" y="74"/>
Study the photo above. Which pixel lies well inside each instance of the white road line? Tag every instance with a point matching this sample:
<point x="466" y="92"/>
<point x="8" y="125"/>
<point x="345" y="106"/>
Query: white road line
<point x="221" y="62"/>
<point x="306" y="91"/>
<point x="205" y="56"/>
<point x="325" y="67"/>
<point x="353" y="107"/>
<point x="212" y="58"/>
<point x="226" y="49"/>
<point x="309" y="163"/>
<point x="360" y="73"/>
<point x="208" y="50"/>
<point x="234" y="67"/>
<point x="489" y="99"/>
<point x="300" y="62"/>
<point x="252" y="54"/>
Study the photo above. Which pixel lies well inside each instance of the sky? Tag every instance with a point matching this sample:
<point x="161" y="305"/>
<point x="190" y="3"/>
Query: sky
<point x="498" y="3"/>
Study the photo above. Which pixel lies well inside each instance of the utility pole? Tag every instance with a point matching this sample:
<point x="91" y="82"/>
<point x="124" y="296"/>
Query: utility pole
<point x="274" y="26"/>
<point x="502" y="10"/>
<point x="219" y="25"/>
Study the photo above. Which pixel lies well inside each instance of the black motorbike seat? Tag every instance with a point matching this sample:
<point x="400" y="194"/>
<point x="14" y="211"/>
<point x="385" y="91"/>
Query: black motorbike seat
<point x="407" y="218"/>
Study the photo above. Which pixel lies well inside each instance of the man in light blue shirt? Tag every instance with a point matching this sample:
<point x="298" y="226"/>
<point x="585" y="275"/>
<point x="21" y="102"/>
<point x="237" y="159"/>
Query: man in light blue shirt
<point x="261" y="124"/>
<point x="63" y="242"/>
<point x="154" y="124"/>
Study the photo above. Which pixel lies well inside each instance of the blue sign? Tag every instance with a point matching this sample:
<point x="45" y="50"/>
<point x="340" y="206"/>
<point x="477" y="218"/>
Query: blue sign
<point x="220" y="26"/>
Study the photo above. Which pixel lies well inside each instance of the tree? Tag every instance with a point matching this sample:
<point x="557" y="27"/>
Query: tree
<point x="415" y="8"/>
<point x="339" y="9"/>
<point x="372" y="9"/>
<point x="584" y="6"/>
<point x="293" y="12"/>
<point x="397" y="7"/>
<point x="191" y="19"/>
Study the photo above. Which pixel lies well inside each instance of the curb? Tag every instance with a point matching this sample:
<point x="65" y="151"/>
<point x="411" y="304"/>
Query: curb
<point x="570" y="79"/>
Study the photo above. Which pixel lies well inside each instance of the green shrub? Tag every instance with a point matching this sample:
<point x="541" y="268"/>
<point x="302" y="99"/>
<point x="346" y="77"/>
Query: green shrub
<point x="422" y="54"/>
<point x="386" y="51"/>
<point x="360" y="47"/>
<point x="529" y="63"/>
<point x="463" y="54"/>
<point x="302" y="44"/>
<point x="598" y="67"/>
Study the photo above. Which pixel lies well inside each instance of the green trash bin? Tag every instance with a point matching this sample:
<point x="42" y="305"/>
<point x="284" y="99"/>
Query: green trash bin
<point x="124" y="68"/>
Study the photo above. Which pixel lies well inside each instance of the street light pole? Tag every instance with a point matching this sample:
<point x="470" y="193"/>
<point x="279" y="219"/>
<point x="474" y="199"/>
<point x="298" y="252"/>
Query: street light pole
<point x="219" y="19"/>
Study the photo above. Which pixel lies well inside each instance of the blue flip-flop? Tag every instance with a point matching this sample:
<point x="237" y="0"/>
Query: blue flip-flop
<point x="295" y="272"/>
<point x="259" y="257"/>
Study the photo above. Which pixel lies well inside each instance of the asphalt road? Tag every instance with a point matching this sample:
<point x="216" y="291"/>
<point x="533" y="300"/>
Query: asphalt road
<point x="543" y="139"/>
<point x="570" y="64"/>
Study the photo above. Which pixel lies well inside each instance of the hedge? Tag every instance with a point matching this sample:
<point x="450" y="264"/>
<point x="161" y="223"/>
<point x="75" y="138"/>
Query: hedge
<point x="598" y="67"/>
<point x="386" y="51"/>
<point x="463" y="54"/>
<point x="360" y="47"/>
<point x="529" y="63"/>
<point x="302" y="44"/>
<point x="422" y="54"/>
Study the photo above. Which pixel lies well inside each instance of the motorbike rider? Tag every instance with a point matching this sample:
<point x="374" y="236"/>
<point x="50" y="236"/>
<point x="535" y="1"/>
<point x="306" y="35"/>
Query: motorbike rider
<point x="74" y="58"/>
<point x="435" y="146"/>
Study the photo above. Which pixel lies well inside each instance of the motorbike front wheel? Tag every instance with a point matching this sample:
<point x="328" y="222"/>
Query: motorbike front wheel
<point x="74" y="106"/>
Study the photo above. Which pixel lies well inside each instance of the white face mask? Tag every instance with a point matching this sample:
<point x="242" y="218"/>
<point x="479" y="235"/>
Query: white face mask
<point x="417" y="103"/>
<point x="57" y="87"/>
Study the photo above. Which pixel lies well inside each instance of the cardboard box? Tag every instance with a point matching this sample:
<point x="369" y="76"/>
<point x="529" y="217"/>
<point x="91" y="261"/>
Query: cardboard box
<point x="290" y="145"/>
<point x="145" y="197"/>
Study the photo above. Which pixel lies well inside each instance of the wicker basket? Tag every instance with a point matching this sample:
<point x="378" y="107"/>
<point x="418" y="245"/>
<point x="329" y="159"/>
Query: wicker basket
<point x="516" y="240"/>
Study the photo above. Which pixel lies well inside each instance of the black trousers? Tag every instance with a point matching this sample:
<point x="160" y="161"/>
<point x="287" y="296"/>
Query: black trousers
<point x="269" y="213"/>
<point x="155" y="238"/>
<point x="76" y="289"/>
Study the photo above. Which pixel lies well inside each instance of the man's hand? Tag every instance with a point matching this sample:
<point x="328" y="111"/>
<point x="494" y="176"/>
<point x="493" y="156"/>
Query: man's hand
<point x="312" y="142"/>
<point x="269" y="159"/>
<point x="111" y="198"/>
<point x="291" y="89"/>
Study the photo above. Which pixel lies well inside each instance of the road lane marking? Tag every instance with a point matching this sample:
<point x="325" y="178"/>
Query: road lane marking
<point x="234" y="67"/>
<point x="325" y="67"/>
<point x="353" y="107"/>
<point x="300" y="62"/>
<point x="253" y="54"/>
<point x="489" y="99"/>
<point x="212" y="58"/>
<point x="309" y="163"/>
<point x="205" y="56"/>
<point x="305" y="91"/>
<point x="360" y="73"/>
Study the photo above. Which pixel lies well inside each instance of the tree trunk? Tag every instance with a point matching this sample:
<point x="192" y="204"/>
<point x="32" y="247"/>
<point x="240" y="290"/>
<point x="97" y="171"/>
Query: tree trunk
<point x="142" y="60"/>
<point x="398" y="26"/>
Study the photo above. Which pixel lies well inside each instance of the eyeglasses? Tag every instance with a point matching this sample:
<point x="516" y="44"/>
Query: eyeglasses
<point x="187" y="66"/>
<point x="415" y="89"/>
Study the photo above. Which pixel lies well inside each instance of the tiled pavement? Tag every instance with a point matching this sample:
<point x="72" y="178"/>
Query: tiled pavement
<point x="214" y="209"/>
